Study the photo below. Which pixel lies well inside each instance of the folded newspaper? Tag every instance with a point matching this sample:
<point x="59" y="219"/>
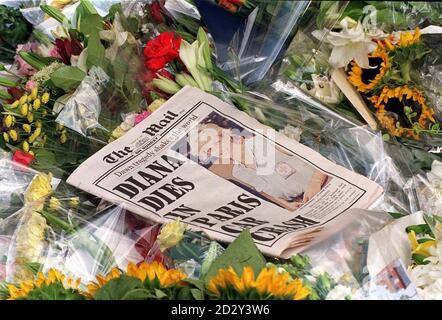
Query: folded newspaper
<point x="201" y="160"/>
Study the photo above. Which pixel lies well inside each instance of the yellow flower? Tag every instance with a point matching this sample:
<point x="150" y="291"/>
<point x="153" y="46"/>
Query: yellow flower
<point x="30" y="235"/>
<point x="92" y="287"/>
<point x="54" y="203"/>
<point x="74" y="202"/>
<point x="5" y="136"/>
<point x="23" y="289"/>
<point x="409" y="38"/>
<point x="30" y="117"/>
<point x="367" y="79"/>
<point x="39" y="188"/>
<point x="13" y="134"/>
<point x="38" y="124"/>
<point x="145" y="271"/>
<point x="34" y="93"/>
<point x="420" y="248"/>
<point x="36" y="104"/>
<point x="37" y="132"/>
<point x="45" y="97"/>
<point x="63" y="138"/>
<point x="15" y="104"/>
<point x="269" y="283"/>
<point x="24" y="109"/>
<point x="31" y="138"/>
<point x="27" y="128"/>
<point x="8" y="121"/>
<point x="171" y="234"/>
<point x="59" y="126"/>
<point x="23" y="99"/>
<point x="155" y="105"/>
<point x="391" y="102"/>
<point x="31" y="153"/>
<point x="25" y="146"/>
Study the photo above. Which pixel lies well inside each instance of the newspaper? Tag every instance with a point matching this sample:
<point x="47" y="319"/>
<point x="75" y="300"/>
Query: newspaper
<point x="201" y="160"/>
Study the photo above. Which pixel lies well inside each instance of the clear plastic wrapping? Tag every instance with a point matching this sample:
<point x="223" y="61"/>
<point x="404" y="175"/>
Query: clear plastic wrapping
<point x="257" y="44"/>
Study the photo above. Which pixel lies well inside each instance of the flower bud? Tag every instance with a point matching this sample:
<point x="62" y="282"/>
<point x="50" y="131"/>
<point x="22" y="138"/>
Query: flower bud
<point x="38" y="124"/>
<point x="54" y="203"/>
<point x="45" y="97"/>
<point x="34" y="93"/>
<point x="166" y="85"/>
<point x="36" y="104"/>
<point x="13" y="134"/>
<point x="8" y="121"/>
<point x="63" y="139"/>
<point x="5" y="136"/>
<point x="74" y="202"/>
<point x="15" y="104"/>
<point x="24" y="109"/>
<point x="24" y="99"/>
<point x="30" y="117"/>
<point x="27" y="128"/>
<point x="25" y="146"/>
<point x="37" y="132"/>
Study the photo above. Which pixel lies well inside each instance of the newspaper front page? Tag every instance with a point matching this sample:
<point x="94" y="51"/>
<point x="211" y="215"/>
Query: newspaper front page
<point x="201" y="160"/>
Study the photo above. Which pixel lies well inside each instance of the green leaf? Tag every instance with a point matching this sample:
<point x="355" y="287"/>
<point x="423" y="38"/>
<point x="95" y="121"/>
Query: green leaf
<point x="67" y="78"/>
<point x="91" y="24"/>
<point x="240" y="253"/>
<point x="119" y="288"/>
<point x="95" y="51"/>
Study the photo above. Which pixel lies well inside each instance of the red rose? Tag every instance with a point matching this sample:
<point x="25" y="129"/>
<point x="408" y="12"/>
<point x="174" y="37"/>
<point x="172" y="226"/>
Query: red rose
<point x="229" y="6"/>
<point x="22" y="157"/>
<point x="162" y="50"/>
<point x="155" y="63"/>
<point x="238" y="2"/>
<point x="155" y="12"/>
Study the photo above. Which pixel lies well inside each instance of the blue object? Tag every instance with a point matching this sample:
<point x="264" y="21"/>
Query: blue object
<point x="221" y="24"/>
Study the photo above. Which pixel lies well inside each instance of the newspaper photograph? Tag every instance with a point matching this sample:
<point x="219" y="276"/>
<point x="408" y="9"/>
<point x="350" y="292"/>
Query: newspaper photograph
<point x="200" y="160"/>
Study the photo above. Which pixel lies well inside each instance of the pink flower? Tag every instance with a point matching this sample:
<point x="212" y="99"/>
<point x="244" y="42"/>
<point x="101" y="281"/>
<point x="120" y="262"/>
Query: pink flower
<point x="141" y="116"/>
<point x="31" y="84"/>
<point x="23" y="68"/>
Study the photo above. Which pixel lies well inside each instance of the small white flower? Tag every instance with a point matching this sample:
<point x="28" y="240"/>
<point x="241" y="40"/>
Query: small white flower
<point x="339" y="292"/>
<point x="292" y="132"/>
<point x="325" y="89"/>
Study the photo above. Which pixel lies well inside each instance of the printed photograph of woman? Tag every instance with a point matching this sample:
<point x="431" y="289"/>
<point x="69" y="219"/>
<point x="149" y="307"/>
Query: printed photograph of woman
<point x="230" y="151"/>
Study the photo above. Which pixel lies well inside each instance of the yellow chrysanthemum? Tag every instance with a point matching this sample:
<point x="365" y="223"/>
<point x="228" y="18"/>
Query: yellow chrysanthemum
<point x="268" y="283"/>
<point x="367" y="79"/>
<point x="394" y="101"/>
<point x="39" y="188"/>
<point x="171" y="234"/>
<point x="151" y="271"/>
<point x="23" y="289"/>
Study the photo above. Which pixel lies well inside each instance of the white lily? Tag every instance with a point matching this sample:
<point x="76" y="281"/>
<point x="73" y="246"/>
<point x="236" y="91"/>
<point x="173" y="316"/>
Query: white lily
<point x="350" y="43"/>
<point x="117" y="36"/>
<point x="61" y="32"/>
<point x="193" y="59"/>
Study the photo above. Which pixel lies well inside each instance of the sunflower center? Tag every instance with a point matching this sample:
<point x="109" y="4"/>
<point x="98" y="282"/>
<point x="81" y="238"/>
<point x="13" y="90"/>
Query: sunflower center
<point x="398" y="107"/>
<point x="371" y="73"/>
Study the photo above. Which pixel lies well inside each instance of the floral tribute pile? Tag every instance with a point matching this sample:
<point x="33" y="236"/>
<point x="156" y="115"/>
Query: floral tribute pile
<point x="348" y="80"/>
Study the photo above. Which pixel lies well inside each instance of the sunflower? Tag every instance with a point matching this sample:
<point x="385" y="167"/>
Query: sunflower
<point x="269" y="284"/>
<point x="406" y="39"/>
<point x="392" y="105"/>
<point x="151" y="271"/>
<point x="24" y="289"/>
<point x="367" y="79"/>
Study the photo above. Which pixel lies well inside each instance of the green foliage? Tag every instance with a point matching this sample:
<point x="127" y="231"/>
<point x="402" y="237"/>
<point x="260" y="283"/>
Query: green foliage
<point x="67" y="78"/>
<point x="54" y="291"/>
<point x="14" y="30"/>
<point x="240" y="253"/>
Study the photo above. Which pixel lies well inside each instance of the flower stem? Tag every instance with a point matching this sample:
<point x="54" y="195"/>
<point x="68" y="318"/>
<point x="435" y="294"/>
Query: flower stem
<point x="405" y="70"/>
